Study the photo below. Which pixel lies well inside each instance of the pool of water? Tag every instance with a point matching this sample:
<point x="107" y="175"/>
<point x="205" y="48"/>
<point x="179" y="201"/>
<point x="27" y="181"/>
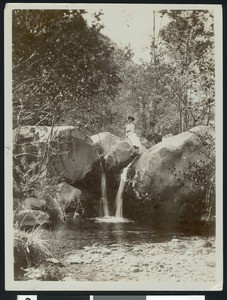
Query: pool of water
<point x="109" y="232"/>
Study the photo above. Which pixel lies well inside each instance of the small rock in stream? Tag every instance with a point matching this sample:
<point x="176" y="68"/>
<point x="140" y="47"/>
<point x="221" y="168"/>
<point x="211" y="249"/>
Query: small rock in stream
<point x="52" y="260"/>
<point x="86" y="248"/>
<point x="146" y="265"/>
<point x="74" y="259"/>
<point x="136" y="270"/>
<point x="90" y="261"/>
<point x="175" y="240"/>
<point x="136" y="265"/>
<point x="106" y="252"/>
<point x="95" y="251"/>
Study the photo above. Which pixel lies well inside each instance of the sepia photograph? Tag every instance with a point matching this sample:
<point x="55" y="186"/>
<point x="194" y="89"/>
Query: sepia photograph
<point x="113" y="147"/>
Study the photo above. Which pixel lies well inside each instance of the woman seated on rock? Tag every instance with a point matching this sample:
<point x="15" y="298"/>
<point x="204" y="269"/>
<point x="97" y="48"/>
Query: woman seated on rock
<point x="130" y="134"/>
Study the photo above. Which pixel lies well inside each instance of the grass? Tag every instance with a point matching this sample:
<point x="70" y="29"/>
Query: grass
<point x="30" y="246"/>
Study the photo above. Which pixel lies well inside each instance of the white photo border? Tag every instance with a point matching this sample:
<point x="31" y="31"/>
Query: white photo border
<point x="10" y="283"/>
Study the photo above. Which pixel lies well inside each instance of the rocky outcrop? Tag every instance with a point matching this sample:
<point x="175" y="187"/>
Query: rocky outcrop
<point x="104" y="141"/>
<point x="31" y="218"/>
<point x="72" y="154"/>
<point x="147" y="144"/>
<point x="78" y="156"/>
<point x="66" y="196"/>
<point x="33" y="203"/>
<point x="163" y="180"/>
<point x="167" y="136"/>
<point x="69" y="200"/>
<point x="121" y="154"/>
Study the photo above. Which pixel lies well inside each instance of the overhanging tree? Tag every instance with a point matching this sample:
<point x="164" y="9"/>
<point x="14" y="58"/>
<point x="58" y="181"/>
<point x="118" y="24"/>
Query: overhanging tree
<point x="63" y="72"/>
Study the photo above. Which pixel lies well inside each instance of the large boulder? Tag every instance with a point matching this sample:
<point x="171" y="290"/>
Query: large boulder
<point x="120" y="155"/>
<point x="33" y="203"/>
<point x="65" y="200"/>
<point x="104" y="141"/>
<point x="78" y="156"/>
<point x="147" y="144"/>
<point x="162" y="182"/>
<point x="167" y="136"/>
<point x="71" y="153"/>
<point x="66" y="196"/>
<point x="31" y="218"/>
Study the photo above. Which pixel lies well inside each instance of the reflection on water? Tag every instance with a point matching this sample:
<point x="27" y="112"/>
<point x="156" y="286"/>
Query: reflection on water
<point x="108" y="232"/>
<point x="92" y="231"/>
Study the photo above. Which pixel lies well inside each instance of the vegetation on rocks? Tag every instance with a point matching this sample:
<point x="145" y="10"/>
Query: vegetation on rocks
<point x="202" y="174"/>
<point x="71" y="82"/>
<point x="68" y="73"/>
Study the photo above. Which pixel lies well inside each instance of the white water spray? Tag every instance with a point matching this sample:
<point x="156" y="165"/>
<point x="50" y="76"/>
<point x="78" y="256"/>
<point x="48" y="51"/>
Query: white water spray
<point x="119" y="197"/>
<point x="104" y="195"/>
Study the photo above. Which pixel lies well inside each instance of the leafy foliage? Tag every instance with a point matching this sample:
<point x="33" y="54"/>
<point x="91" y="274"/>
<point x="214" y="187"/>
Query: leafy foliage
<point x="175" y="90"/>
<point x="191" y="54"/>
<point x="201" y="173"/>
<point x="33" y="170"/>
<point x="63" y="71"/>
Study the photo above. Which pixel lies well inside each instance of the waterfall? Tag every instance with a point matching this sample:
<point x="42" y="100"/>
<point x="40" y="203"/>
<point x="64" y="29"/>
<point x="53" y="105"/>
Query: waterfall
<point x="104" y="194"/>
<point x="119" y="199"/>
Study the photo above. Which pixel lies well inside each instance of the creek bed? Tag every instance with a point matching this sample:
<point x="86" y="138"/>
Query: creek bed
<point x="98" y="250"/>
<point x="101" y="251"/>
<point x="95" y="231"/>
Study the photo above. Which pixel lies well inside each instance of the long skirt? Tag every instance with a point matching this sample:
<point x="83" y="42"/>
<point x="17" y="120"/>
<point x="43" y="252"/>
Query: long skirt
<point x="134" y="140"/>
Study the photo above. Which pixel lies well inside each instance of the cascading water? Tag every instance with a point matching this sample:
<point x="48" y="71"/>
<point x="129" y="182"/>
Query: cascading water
<point x="119" y="197"/>
<point x="118" y="218"/>
<point x="104" y="194"/>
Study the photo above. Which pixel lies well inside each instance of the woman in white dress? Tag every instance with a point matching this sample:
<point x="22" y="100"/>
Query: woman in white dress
<point x="130" y="134"/>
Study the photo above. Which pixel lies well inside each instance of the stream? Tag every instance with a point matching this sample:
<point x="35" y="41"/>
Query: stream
<point x="93" y="231"/>
<point x="110" y="231"/>
<point x="112" y="248"/>
<point x="115" y="249"/>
